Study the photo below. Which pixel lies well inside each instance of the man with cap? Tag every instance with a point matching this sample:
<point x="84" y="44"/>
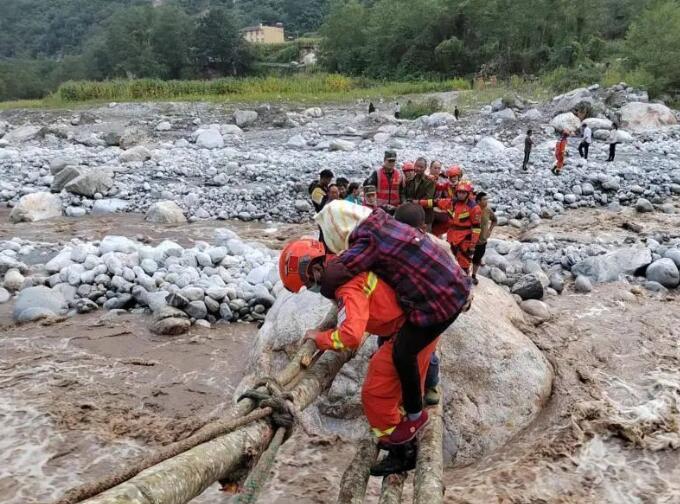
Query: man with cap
<point x="370" y="197"/>
<point x="388" y="182"/>
<point x="419" y="186"/>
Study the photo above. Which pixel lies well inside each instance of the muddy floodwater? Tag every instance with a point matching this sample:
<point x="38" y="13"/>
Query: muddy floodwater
<point x="89" y="393"/>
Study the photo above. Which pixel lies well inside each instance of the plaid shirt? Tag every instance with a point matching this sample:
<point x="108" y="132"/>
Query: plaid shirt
<point x="431" y="288"/>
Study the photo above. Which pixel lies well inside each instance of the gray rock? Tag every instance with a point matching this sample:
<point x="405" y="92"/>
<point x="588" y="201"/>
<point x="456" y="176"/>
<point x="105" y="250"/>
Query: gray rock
<point x="528" y="287"/>
<point x="39" y="298"/>
<point x="90" y="183"/>
<point x="34" y="314"/>
<point x="665" y="272"/>
<point x="138" y="153"/>
<point x="7" y="263"/>
<point x="612" y="266"/>
<point x="165" y="212"/>
<point x="149" y="266"/>
<point x="674" y="255"/>
<point x="643" y="205"/>
<point x="196" y="309"/>
<point x="193" y="293"/>
<point x="212" y="305"/>
<point x="86" y="306"/>
<point x="638" y="116"/>
<point x="225" y="312"/>
<point x="655" y="287"/>
<point x="36" y="207"/>
<point x="566" y="122"/>
<point x="342" y="145"/>
<point x="4" y="295"/>
<point x="244" y="118"/>
<point x="302" y="206"/>
<point x="13" y="280"/>
<point x="22" y="134"/>
<point x="583" y="284"/>
<point x="109" y="206"/>
<point x="536" y="309"/>
<point x="63" y="177"/>
<point x="171" y="326"/>
<point x="209" y="139"/>
<point x="557" y="282"/>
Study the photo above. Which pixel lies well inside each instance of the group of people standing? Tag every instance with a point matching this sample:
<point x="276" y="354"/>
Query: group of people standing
<point x="562" y="143"/>
<point x="452" y="207"/>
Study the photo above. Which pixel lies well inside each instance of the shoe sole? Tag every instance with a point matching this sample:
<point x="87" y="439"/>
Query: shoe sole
<point x="414" y="434"/>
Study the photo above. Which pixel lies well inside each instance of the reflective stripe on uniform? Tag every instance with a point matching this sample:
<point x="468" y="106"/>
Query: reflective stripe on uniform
<point x="380" y="433"/>
<point x="371" y="284"/>
<point x="335" y="340"/>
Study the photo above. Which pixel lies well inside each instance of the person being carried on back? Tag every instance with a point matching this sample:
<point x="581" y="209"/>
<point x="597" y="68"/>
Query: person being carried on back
<point x="431" y="289"/>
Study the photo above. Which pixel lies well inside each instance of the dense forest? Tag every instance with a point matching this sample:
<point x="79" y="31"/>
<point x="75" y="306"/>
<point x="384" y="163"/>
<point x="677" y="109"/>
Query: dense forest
<point x="561" y="41"/>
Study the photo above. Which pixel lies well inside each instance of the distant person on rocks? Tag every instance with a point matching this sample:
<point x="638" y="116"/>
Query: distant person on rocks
<point x="560" y="153"/>
<point x="388" y="181"/>
<point x="489" y="222"/>
<point x="528" y="144"/>
<point x="370" y="197"/>
<point x="333" y="193"/>
<point x="318" y="189"/>
<point x="342" y="184"/>
<point x="371" y="108"/>
<point x="420" y="187"/>
<point x="353" y="193"/>
<point x="586" y="140"/>
<point x="397" y="110"/>
<point x="613" y="140"/>
<point x="456" y="113"/>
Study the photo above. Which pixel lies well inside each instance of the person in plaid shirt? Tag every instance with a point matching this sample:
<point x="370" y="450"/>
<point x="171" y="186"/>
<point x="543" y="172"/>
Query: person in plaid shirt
<point x="431" y="288"/>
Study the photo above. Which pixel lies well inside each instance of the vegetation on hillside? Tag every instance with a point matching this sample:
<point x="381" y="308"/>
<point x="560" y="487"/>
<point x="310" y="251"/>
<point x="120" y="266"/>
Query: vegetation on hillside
<point x="558" y="43"/>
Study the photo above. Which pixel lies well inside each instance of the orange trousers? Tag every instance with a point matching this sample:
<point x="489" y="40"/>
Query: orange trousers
<point x="381" y="393"/>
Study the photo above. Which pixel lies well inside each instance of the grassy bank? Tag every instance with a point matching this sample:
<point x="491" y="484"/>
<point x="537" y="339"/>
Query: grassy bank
<point x="312" y="88"/>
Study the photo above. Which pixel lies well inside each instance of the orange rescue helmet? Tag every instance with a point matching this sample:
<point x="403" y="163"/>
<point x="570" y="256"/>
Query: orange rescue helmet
<point x="454" y="171"/>
<point x="465" y="186"/>
<point x="407" y="167"/>
<point x="295" y="260"/>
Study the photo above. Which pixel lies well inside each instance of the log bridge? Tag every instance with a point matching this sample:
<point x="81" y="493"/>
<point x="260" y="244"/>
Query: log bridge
<point x="246" y="442"/>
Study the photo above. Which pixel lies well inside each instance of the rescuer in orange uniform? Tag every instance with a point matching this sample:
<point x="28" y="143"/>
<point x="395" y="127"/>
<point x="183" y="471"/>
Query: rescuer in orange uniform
<point x="445" y="190"/>
<point x="464" y="225"/>
<point x="366" y="305"/>
<point x="560" y="152"/>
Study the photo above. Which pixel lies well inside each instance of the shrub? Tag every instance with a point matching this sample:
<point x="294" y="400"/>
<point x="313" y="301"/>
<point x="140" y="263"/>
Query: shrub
<point x="415" y="109"/>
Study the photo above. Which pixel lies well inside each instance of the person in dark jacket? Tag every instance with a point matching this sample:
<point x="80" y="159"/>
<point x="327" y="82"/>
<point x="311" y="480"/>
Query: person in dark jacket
<point x="420" y="187"/>
<point x="318" y="189"/>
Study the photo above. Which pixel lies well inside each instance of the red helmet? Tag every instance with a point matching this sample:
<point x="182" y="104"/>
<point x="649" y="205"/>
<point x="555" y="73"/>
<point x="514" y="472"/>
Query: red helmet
<point x="295" y="260"/>
<point x="407" y="166"/>
<point x="454" y="171"/>
<point x="465" y="186"/>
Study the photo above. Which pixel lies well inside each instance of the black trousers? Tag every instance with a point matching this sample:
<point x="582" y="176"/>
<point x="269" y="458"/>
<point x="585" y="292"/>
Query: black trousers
<point x="612" y="152"/>
<point x="526" y="159"/>
<point x="409" y="342"/>
<point x="583" y="149"/>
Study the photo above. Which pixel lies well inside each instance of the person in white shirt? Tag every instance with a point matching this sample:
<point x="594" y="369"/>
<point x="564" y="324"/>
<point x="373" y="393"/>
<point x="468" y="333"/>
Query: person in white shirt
<point x="613" y="140"/>
<point x="586" y="140"/>
<point x="397" y="111"/>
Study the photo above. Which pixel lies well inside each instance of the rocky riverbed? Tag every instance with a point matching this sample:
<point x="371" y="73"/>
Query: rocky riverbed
<point x="137" y="255"/>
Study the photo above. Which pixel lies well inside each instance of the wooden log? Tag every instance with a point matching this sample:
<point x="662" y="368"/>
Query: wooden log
<point x="355" y="478"/>
<point x="392" y="489"/>
<point x="260" y="473"/>
<point x="181" y="478"/>
<point x="428" y="486"/>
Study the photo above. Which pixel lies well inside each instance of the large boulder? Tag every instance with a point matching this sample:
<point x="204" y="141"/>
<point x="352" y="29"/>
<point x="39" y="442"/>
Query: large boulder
<point x="63" y="177"/>
<point x="438" y="119"/>
<point x="39" y="302"/>
<point x="529" y="287"/>
<point x="22" y="134"/>
<point x="209" y="139"/>
<point x="596" y="123"/>
<point x="165" y="212"/>
<point x="566" y="122"/>
<point x="135" y="154"/>
<point x="494" y="378"/>
<point x="638" y="116"/>
<point x="490" y="145"/>
<point x="244" y="118"/>
<point x="109" y="206"/>
<point x="612" y="266"/>
<point x="36" y="206"/>
<point x="665" y="272"/>
<point x="573" y="100"/>
<point x="90" y="183"/>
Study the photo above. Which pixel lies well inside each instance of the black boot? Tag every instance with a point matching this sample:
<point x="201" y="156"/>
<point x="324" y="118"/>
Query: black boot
<point x="399" y="459"/>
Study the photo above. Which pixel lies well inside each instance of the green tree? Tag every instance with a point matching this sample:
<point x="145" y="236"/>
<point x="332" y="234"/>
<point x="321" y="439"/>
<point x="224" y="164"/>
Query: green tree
<point x="344" y="47"/>
<point x="653" y="43"/>
<point x="219" y="46"/>
<point x="170" y="34"/>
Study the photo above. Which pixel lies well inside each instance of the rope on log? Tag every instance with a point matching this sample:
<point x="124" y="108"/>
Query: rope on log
<point x="355" y="478"/>
<point x="258" y="476"/>
<point x="428" y="483"/>
<point x="392" y="488"/>
<point x="209" y="432"/>
<point x="183" y="477"/>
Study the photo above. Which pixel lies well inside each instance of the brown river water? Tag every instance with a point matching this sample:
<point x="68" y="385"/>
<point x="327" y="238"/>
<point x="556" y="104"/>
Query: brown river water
<point x="84" y="395"/>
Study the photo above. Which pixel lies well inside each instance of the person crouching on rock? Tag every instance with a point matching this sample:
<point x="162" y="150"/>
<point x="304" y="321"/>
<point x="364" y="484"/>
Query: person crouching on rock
<point x="366" y="304"/>
<point x="431" y="288"/>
